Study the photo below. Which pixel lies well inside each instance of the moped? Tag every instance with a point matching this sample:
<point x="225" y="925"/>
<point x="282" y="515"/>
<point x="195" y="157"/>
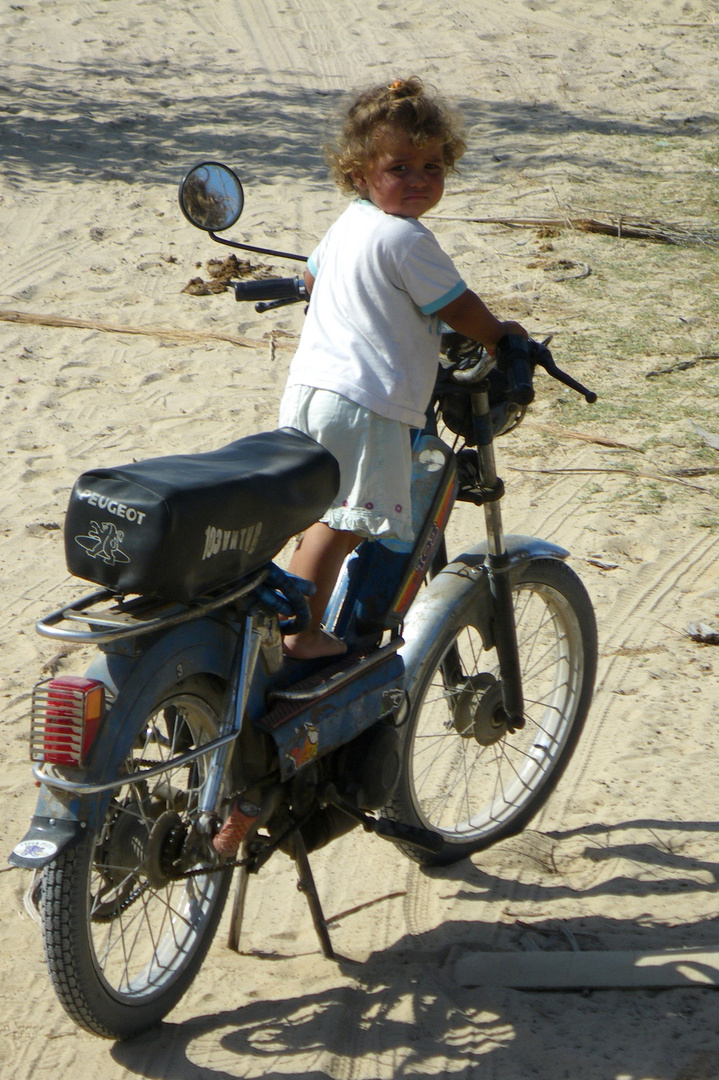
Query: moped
<point x="192" y="746"/>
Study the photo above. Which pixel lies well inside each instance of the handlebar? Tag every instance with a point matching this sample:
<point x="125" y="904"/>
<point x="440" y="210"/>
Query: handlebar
<point x="516" y="356"/>
<point x="288" y="290"/>
<point x="513" y="361"/>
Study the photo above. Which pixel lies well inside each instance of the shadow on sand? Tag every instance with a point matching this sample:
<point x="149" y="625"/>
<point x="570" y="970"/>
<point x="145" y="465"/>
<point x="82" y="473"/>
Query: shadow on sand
<point x="403" y="1009"/>
<point x="128" y="127"/>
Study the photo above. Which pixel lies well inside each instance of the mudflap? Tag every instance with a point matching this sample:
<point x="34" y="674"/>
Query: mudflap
<point x="45" y="840"/>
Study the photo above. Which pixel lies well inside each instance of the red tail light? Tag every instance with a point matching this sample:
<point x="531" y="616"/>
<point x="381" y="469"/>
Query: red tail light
<point x="66" y="714"/>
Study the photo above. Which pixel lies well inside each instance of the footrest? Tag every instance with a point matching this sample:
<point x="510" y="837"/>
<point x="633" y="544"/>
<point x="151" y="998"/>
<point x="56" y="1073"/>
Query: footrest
<point x="322" y="683"/>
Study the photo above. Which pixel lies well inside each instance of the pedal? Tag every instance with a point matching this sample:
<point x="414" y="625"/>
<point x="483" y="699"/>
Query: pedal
<point x="240" y="821"/>
<point x="396" y="832"/>
<point x="399" y="833"/>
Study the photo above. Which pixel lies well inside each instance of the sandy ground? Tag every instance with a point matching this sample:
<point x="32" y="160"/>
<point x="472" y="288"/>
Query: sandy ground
<point x="582" y="108"/>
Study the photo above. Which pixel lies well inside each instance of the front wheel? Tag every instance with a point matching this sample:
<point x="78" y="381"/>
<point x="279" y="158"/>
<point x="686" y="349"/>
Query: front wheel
<point x="465" y="775"/>
<point x="125" y="926"/>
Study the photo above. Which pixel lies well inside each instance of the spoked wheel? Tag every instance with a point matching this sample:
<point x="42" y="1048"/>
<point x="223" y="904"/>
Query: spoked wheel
<point x="467" y="776"/>
<point x="128" y="914"/>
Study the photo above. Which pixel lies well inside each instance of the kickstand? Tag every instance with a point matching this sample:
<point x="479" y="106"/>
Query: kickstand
<point x="306" y="885"/>
<point x="238" y="907"/>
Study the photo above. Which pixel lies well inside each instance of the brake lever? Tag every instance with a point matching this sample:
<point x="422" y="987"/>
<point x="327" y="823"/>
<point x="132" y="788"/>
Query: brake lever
<point x="268" y="305"/>
<point x="475" y="373"/>
<point x="541" y="356"/>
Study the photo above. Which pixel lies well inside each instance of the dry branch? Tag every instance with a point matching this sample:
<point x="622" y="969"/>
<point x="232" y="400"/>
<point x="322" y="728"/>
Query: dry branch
<point x="634" y="473"/>
<point x="29" y="318"/>
<point x="683" y="365"/>
<point x="565" y="433"/>
<point x="623" y="226"/>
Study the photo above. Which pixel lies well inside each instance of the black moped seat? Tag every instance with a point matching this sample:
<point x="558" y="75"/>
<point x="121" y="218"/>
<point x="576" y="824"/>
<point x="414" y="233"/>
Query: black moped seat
<point x="181" y="526"/>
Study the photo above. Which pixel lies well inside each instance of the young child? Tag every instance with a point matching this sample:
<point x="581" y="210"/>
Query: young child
<point x="381" y="287"/>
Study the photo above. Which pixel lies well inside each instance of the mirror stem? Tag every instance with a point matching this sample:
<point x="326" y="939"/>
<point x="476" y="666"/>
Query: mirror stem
<point x="257" y="250"/>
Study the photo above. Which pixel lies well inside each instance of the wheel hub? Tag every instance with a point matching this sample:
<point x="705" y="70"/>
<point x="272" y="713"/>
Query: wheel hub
<point x="126" y="846"/>
<point x="478" y="711"/>
<point x="164" y="848"/>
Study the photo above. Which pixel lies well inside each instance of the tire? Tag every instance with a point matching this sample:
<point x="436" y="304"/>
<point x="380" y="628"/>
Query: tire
<point x="464" y="775"/>
<point x="124" y="938"/>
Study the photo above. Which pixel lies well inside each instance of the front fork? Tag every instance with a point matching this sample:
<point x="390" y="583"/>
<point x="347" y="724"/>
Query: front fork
<point x="498" y="564"/>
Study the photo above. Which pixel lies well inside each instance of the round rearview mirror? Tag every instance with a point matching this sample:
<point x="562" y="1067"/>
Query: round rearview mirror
<point x="211" y="196"/>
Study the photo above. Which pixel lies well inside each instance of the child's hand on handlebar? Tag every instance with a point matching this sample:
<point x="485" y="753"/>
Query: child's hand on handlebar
<point x="470" y="316"/>
<point x="508" y="327"/>
<point x="511" y="327"/>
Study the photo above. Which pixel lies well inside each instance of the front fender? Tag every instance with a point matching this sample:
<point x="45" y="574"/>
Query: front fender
<point x="201" y="647"/>
<point x="459" y="595"/>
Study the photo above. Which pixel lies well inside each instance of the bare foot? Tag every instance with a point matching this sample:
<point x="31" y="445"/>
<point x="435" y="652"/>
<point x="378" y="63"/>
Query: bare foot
<point x="312" y="644"/>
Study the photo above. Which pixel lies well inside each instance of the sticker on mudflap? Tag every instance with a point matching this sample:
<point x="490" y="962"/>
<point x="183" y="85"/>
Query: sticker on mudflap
<point x="35" y="849"/>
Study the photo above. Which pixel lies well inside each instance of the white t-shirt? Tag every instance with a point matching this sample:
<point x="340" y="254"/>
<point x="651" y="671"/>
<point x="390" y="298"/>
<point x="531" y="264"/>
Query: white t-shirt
<point x="371" y="332"/>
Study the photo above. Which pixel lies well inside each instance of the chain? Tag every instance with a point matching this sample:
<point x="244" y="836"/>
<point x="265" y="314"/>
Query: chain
<point x="215" y="869"/>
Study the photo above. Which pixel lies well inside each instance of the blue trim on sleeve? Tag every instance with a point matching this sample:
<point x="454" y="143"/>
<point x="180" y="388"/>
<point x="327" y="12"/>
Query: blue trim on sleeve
<point x="437" y="305"/>
<point x="312" y="266"/>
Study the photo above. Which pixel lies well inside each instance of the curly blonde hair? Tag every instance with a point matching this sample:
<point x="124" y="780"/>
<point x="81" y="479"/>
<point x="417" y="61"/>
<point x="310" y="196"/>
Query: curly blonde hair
<point x="405" y="105"/>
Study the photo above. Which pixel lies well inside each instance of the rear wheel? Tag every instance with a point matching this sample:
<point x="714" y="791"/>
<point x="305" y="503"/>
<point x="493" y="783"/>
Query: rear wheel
<point x="125" y="930"/>
<point x="465" y="775"/>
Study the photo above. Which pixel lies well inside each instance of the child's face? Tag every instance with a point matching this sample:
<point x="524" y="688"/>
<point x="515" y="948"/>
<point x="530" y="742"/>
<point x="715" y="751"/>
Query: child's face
<point x="401" y="178"/>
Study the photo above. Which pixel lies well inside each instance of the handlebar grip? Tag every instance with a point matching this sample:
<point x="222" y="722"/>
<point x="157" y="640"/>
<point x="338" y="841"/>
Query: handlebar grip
<point x="271" y="289"/>
<point x="513" y="359"/>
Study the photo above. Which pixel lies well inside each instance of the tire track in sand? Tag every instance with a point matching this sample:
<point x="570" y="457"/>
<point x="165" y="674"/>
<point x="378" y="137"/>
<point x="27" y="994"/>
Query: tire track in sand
<point x="640" y="620"/>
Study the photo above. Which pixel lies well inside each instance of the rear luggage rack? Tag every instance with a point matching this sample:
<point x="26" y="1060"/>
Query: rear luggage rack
<point x="108" y="616"/>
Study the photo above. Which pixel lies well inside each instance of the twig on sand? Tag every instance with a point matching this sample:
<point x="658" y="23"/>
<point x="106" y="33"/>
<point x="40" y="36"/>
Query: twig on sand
<point x="53" y="664"/>
<point x="682" y="365"/>
<point x="696" y="470"/>
<point x="636" y="474"/>
<point x="565" y="433"/>
<point x="31" y="318"/>
<point x="624" y="226"/>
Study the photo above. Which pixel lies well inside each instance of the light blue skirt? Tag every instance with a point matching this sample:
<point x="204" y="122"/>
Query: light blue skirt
<point x="374" y="456"/>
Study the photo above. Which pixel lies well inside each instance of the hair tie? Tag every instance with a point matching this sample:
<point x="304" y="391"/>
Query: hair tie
<point x="396" y="86"/>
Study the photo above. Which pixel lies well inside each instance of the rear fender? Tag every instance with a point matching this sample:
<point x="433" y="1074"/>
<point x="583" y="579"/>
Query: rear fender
<point x="201" y="647"/>
<point x="457" y="596"/>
